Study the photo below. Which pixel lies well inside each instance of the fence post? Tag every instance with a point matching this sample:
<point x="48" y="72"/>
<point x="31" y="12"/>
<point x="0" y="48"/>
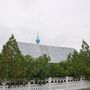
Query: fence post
<point x="67" y="83"/>
<point x="29" y="86"/>
<point x="3" y="86"/>
<point x="49" y="83"/>
<point x="81" y="82"/>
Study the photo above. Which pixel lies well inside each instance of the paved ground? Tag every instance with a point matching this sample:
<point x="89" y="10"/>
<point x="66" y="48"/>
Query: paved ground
<point x="86" y="89"/>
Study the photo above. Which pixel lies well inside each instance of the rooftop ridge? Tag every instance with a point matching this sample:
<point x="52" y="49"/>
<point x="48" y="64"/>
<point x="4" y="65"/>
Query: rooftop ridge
<point x="45" y="45"/>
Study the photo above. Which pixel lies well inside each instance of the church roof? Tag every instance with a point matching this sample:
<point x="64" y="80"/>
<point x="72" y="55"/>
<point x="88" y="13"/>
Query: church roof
<point x="56" y="54"/>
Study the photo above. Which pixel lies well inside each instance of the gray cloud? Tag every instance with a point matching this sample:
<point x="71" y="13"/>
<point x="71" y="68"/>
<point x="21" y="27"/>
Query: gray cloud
<point x="59" y="22"/>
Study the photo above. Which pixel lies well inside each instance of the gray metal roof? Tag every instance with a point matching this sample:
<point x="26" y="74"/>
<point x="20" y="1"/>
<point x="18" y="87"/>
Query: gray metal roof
<point x="56" y="54"/>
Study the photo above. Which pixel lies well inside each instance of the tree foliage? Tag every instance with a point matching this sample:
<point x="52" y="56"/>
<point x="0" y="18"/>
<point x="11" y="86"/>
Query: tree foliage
<point x="18" y="68"/>
<point x="80" y="61"/>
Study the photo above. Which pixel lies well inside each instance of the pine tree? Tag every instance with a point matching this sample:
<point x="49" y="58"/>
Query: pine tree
<point x="11" y="54"/>
<point x="85" y="58"/>
<point x="11" y="50"/>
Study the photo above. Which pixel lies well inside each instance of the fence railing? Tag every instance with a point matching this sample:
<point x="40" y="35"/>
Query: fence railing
<point x="64" y="84"/>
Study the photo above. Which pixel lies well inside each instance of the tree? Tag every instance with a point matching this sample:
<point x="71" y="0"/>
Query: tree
<point x="41" y="67"/>
<point x="79" y="62"/>
<point x="1" y="67"/>
<point x="11" y="50"/>
<point x="11" y="56"/>
<point x="85" y="58"/>
<point x="29" y="67"/>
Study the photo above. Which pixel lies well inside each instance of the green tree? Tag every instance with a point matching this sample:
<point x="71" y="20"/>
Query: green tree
<point x="11" y="56"/>
<point x="78" y="62"/>
<point x="29" y="67"/>
<point x="85" y="58"/>
<point x="41" y="67"/>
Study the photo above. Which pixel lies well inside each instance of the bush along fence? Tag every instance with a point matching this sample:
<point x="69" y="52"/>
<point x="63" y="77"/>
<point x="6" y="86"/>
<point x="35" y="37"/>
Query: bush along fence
<point x="67" y="83"/>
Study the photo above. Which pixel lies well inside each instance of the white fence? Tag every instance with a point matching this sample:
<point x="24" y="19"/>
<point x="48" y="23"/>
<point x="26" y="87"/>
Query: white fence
<point x="68" y="84"/>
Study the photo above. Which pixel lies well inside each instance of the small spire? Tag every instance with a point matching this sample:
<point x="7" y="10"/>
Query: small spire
<point x="38" y="39"/>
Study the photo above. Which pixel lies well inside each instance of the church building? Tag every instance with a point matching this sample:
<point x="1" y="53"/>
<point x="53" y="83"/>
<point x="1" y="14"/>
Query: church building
<point x="56" y="54"/>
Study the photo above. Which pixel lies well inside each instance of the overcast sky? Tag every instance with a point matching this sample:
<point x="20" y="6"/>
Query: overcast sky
<point x="59" y="22"/>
